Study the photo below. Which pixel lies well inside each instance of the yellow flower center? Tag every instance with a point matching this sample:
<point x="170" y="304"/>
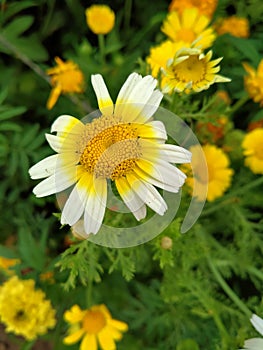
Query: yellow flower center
<point x="191" y="69"/>
<point x="94" y="322"/>
<point x="186" y="35"/>
<point x="112" y="148"/>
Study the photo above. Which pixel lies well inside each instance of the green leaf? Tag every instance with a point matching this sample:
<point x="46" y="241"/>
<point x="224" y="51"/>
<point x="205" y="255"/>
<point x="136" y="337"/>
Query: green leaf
<point x="17" y="6"/>
<point x="8" y="126"/>
<point x="17" y="26"/>
<point x="7" y="253"/>
<point x="10" y="112"/>
<point x="246" y="47"/>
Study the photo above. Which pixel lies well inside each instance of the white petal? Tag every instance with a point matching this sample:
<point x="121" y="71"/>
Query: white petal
<point x="167" y="176"/>
<point x="62" y="179"/>
<point x="66" y="123"/>
<point x="77" y="200"/>
<point x="167" y="152"/>
<point x="152" y="130"/>
<point x="95" y="206"/>
<point x="44" y="168"/>
<point x="152" y="105"/>
<point x="254" y="344"/>
<point x="131" y="199"/>
<point x="104" y="100"/>
<point x="63" y="144"/>
<point x="257" y="322"/>
<point x="148" y="194"/>
<point x="124" y="93"/>
<point x="138" y="98"/>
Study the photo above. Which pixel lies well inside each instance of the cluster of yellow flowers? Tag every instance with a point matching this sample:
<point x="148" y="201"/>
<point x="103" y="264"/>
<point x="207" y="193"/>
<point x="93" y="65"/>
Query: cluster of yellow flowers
<point x="180" y="62"/>
<point x="24" y="310"/>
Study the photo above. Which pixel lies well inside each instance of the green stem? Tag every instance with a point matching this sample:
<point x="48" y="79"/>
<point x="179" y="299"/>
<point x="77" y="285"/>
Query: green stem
<point x="23" y="58"/>
<point x="238" y="104"/>
<point x="233" y="194"/>
<point x="102" y="47"/>
<point x="254" y="271"/>
<point x="127" y="14"/>
<point x="27" y="345"/>
<point x="231" y="294"/>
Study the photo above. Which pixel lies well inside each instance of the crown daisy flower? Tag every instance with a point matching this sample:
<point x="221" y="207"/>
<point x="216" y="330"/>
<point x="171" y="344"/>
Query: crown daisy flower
<point x="255" y="343"/>
<point x="94" y="326"/>
<point x="100" y="19"/>
<point x="254" y="82"/>
<point x="66" y="78"/>
<point x="192" y="70"/>
<point x="190" y="29"/>
<point x="217" y="181"/>
<point x="124" y="145"/>
<point x="253" y="150"/>
<point x="236" y="26"/>
<point x="205" y="7"/>
<point x="24" y="310"/>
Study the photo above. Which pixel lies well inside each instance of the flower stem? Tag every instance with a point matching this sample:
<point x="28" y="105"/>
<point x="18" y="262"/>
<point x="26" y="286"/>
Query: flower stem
<point x="102" y="47"/>
<point x="238" y="104"/>
<point x="231" y="294"/>
<point x="231" y="195"/>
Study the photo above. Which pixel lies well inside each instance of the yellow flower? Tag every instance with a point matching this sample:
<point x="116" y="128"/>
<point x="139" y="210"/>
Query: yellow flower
<point x="254" y="82"/>
<point x="219" y="174"/>
<point x="66" y="78"/>
<point x="253" y="150"/>
<point x="123" y="145"/>
<point x="191" y="70"/>
<point x="206" y="7"/>
<point x="160" y="55"/>
<point x="190" y="29"/>
<point x="6" y="263"/>
<point x="24" y="310"/>
<point x="236" y="26"/>
<point x="100" y="19"/>
<point x="94" y="326"/>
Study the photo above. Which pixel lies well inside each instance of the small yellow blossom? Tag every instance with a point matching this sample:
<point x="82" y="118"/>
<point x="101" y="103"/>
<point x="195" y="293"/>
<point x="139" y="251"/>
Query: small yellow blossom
<point x="254" y="82"/>
<point x="24" y="310"/>
<point x="253" y="150"/>
<point x="219" y="176"/>
<point x="6" y="263"/>
<point x="206" y="7"/>
<point x="93" y="326"/>
<point x="190" y="29"/>
<point x="66" y="78"/>
<point x="100" y="19"/>
<point x="236" y="26"/>
<point x="160" y="55"/>
<point x="192" y="71"/>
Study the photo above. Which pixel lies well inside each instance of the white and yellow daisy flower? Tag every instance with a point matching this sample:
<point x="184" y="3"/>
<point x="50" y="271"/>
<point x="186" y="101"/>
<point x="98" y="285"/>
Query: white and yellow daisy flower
<point x="255" y="343"/>
<point x="124" y="145"/>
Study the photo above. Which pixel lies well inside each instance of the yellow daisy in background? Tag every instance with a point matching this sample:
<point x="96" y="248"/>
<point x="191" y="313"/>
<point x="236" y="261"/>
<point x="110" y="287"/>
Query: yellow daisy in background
<point x="100" y="19"/>
<point x="236" y="26"/>
<point x="66" y="78"/>
<point x="205" y="7"/>
<point x="160" y="55"/>
<point x="253" y="150"/>
<point x="254" y="82"/>
<point x="192" y="71"/>
<point x="190" y="29"/>
<point x="123" y="145"/>
<point x="94" y="326"/>
<point x="24" y="310"/>
<point x="219" y="176"/>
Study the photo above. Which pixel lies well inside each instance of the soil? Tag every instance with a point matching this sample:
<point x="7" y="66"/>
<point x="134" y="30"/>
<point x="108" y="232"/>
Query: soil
<point x="8" y="342"/>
